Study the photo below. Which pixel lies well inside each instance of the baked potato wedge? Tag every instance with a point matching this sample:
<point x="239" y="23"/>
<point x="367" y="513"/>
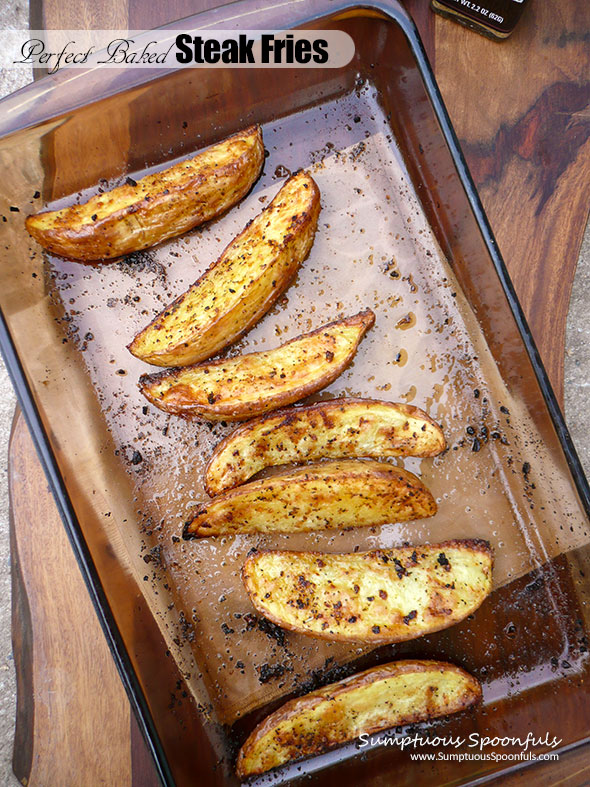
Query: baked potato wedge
<point x="237" y="290"/>
<point x="233" y="389"/>
<point x="392" y="695"/>
<point x="140" y="214"/>
<point x="386" y="595"/>
<point x="350" y="493"/>
<point x="327" y="430"/>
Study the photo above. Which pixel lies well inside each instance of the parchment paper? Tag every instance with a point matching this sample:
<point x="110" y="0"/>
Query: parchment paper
<point x="373" y="249"/>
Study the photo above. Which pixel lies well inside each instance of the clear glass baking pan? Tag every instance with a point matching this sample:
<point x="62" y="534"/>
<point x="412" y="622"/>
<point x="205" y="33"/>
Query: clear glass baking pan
<point x="402" y="231"/>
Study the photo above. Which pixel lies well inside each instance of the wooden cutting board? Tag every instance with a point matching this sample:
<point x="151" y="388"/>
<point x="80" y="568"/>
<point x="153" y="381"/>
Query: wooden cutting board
<point x="522" y="111"/>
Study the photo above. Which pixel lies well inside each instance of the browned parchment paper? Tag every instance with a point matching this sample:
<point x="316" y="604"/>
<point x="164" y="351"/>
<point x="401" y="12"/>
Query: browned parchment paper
<point x="373" y="248"/>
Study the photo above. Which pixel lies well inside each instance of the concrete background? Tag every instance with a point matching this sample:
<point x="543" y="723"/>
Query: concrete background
<point x="14" y="14"/>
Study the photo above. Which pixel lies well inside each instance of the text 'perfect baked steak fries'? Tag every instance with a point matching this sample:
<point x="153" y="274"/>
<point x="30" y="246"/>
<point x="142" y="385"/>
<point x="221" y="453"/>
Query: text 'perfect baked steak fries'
<point x="327" y="430"/>
<point x="233" y="389"/>
<point x="393" y="695"/>
<point x="386" y="595"/>
<point x="349" y="493"/>
<point x="137" y="215"/>
<point x="237" y="290"/>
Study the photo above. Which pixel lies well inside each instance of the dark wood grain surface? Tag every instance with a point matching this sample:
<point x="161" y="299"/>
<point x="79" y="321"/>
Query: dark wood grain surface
<point x="521" y="109"/>
<point x="522" y="112"/>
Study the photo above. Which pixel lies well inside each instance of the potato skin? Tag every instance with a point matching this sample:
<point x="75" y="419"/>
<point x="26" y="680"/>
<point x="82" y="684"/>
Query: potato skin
<point x="233" y="389"/>
<point x="161" y="205"/>
<point x="386" y="595"/>
<point x="350" y="493"/>
<point x="237" y="290"/>
<point x="327" y="430"/>
<point x="392" y="695"/>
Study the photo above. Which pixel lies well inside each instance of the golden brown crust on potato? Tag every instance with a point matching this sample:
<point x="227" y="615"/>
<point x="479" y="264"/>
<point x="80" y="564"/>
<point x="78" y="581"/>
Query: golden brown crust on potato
<point x="134" y="216"/>
<point x="241" y="286"/>
<point x="233" y="389"/>
<point x="386" y="595"/>
<point x="336" y="428"/>
<point x="392" y="695"/>
<point x="349" y="493"/>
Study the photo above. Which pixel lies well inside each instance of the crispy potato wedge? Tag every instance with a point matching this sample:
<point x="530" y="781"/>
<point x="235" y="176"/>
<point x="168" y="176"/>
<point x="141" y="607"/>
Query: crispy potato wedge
<point x="350" y="493"/>
<point x="328" y="430"/>
<point x="386" y="595"/>
<point x="233" y="389"/>
<point x="238" y="289"/>
<point x="140" y="214"/>
<point x="395" y="694"/>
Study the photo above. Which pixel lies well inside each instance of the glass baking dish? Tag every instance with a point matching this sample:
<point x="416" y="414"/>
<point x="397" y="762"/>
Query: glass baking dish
<point x="401" y="230"/>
